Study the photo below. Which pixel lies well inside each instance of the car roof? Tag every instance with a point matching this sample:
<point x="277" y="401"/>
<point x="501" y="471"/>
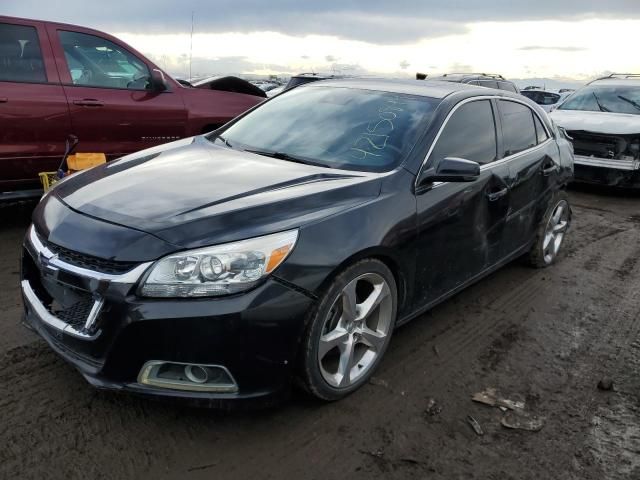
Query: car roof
<point x="461" y="77"/>
<point x="542" y="90"/>
<point x="633" y="82"/>
<point x="425" y="88"/>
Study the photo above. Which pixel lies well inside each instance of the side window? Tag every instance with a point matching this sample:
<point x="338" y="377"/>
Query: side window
<point x="507" y="86"/>
<point x="541" y="133"/>
<point x="470" y="133"/>
<point x="96" y="62"/>
<point x="488" y="83"/>
<point x="20" y="55"/>
<point x="517" y="127"/>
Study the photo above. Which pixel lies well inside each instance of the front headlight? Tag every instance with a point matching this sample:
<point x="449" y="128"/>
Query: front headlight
<point x="218" y="270"/>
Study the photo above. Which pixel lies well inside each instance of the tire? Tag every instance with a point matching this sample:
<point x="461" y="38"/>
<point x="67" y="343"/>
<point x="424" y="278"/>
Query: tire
<point x="345" y="338"/>
<point x="551" y="232"/>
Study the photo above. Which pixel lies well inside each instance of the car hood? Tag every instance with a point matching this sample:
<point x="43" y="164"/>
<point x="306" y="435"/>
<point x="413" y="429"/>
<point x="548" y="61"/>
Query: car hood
<point x="193" y="193"/>
<point x="597" y="122"/>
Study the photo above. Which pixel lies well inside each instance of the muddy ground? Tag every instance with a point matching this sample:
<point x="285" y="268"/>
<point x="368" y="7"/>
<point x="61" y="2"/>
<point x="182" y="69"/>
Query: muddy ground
<point x="545" y="336"/>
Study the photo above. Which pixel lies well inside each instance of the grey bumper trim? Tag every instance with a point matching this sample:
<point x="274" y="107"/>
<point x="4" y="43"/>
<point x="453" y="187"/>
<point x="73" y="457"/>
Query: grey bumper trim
<point x="43" y="314"/>
<point x="628" y="165"/>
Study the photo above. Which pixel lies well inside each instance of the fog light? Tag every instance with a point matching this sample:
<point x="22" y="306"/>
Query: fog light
<point x="196" y="373"/>
<point x="187" y="376"/>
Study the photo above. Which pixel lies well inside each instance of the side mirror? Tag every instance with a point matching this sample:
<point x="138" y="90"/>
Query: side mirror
<point x="157" y="82"/>
<point x="451" y="169"/>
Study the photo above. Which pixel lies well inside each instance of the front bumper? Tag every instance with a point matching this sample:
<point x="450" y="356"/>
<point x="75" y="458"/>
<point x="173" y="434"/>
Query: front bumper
<point x="610" y="163"/>
<point x="613" y="173"/>
<point x="254" y="335"/>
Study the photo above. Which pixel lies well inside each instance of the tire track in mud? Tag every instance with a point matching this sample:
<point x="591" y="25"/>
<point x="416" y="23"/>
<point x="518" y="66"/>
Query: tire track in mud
<point x="461" y="334"/>
<point x="512" y="329"/>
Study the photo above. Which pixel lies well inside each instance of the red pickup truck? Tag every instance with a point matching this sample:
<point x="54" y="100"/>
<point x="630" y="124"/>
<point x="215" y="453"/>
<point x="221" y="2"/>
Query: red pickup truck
<point x="58" y="79"/>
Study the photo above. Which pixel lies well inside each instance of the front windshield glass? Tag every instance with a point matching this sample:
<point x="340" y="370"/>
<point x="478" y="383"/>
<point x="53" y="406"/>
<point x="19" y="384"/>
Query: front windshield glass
<point x="605" y="98"/>
<point x="336" y="127"/>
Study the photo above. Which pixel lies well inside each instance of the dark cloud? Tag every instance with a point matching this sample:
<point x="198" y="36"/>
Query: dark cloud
<point x="557" y="49"/>
<point x="374" y="21"/>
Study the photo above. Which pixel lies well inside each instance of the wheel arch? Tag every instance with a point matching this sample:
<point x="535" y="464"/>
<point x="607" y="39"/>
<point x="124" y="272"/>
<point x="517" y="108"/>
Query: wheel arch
<point x="388" y="258"/>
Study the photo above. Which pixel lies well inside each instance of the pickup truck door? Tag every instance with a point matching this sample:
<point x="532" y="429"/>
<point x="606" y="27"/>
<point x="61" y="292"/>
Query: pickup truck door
<point x="34" y="116"/>
<point x="106" y="84"/>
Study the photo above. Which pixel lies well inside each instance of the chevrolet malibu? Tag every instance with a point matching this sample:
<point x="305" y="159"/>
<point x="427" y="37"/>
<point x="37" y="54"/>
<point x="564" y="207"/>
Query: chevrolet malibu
<point x="288" y="245"/>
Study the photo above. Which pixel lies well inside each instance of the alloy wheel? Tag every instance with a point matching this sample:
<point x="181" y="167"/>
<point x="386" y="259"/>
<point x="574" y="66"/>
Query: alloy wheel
<point x="554" y="233"/>
<point x="355" y="330"/>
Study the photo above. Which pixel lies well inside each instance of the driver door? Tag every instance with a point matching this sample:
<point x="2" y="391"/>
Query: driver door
<point x="461" y="225"/>
<point x="112" y="110"/>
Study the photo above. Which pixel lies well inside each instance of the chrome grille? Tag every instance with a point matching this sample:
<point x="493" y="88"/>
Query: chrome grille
<point x="89" y="262"/>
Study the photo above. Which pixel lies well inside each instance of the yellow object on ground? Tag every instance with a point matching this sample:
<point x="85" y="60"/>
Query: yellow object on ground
<point x="75" y="163"/>
<point x="82" y="161"/>
<point x="48" y="179"/>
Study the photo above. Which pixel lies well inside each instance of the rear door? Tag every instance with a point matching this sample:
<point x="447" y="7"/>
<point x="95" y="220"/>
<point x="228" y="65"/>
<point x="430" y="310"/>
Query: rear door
<point x="461" y="224"/>
<point x="107" y="86"/>
<point x="529" y="152"/>
<point x="34" y="117"/>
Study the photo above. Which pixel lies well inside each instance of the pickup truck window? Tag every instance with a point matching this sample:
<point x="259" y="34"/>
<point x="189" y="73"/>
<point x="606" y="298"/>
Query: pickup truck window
<point x="96" y="62"/>
<point x="20" y="55"/>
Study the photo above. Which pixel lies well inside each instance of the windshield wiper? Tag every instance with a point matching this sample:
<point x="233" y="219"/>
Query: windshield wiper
<point x="213" y="138"/>
<point x="628" y="100"/>
<point x="285" y="156"/>
<point x="602" y="109"/>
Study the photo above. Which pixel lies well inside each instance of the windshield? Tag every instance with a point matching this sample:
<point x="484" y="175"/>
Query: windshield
<point x="336" y="127"/>
<point x="610" y="98"/>
<point x="542" y="98"/>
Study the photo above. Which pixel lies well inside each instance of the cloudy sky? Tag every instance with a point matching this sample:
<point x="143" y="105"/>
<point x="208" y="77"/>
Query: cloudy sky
<point x="565" y="39"/>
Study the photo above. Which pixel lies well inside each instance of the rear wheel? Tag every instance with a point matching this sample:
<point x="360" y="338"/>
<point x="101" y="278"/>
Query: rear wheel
<point x="349" y="330"/>
<point x="551" y="232"/>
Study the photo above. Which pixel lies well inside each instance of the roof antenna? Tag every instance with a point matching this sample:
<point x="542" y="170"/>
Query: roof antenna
<point x="191" y="47"/>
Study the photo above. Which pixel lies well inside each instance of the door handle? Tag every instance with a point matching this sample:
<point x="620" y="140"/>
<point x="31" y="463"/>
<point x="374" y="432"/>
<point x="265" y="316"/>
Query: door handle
<point x="4" y="99"/>
<point x="494" y="195"/>
<point x="548" y="168"/>
<point x="88" y="102"/>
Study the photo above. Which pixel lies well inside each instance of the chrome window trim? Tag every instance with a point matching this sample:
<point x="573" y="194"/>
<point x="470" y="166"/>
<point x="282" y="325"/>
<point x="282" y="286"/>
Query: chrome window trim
<point x="130" y="277"/>
<point x="486" y="166"/>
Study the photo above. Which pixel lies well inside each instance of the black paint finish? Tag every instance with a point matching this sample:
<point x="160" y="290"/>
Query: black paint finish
<point x="436" y="238"/>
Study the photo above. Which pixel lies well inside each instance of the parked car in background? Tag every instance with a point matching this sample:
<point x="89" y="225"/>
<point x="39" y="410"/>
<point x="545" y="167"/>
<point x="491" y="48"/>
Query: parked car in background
<point x="275" y="91"/>
<point x="489" y="80"/>
<point x="303" y="78"/>
<point x="548" y="100"/>
<point x="58" y="79"/>
<point x="229" y="83"/>
<point x="222" y="266"/>
<point x="603" y="120"/>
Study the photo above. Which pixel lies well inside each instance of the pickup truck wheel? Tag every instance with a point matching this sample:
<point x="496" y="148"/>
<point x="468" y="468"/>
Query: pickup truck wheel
<point x="551" y="232"/>
<point x="349" y="330"/>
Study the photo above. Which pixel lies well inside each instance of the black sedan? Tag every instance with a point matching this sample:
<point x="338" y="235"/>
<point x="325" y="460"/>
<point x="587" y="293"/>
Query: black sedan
<point x="292" y="241"/>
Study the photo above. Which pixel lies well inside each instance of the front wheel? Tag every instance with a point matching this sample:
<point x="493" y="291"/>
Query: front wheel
<point x="551" y="232"/>
<point x="349" y="330"/>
